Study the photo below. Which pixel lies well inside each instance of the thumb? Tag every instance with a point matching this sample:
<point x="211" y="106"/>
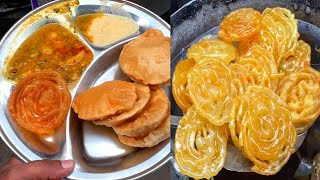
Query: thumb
<point x="44" y="169"/>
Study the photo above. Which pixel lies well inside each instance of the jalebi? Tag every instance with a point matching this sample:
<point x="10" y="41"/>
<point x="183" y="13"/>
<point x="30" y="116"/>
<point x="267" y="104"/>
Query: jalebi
<point x="267" y="134"/>
<point x="301" y="93"/>
<point x="40" y="102"/>
<point x="213" y="48"/>
<point x="200" y="147"/>
<point x="211" y="89"/>
<point x="179" y="84"/>
<point x="300" y="59"/>
<point x="240" y="25"/>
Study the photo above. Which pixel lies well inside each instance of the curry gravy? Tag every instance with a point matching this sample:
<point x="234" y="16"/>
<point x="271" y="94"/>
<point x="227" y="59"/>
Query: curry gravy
<point x="51" y="47"/>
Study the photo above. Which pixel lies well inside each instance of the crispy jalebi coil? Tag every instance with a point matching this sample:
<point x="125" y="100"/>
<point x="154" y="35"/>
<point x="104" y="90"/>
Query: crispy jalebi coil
<point x="266" y="59"/>
<point x="301" y="93"/>
<point x="179" y="84"/>
<point x="300" y="59"/>
<point x="257" y="70"/>
<point x="267" y="136"/>
<point x="240" y="24"/>
<point x="40" y="102"/>
<point x="235" y="124"/>
<point x="241" y="77"/>
<point x="281" y="23"/>
<point x="200" y="147"/>
<point x="213" y="48"/>
<point x="211" y="89"/>
<point x="263" y="39"/>
<point x="302" y="127"/>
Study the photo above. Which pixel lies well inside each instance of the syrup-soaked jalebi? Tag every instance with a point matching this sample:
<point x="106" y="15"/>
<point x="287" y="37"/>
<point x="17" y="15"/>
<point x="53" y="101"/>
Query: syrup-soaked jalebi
<point x="200" y="147"/>
<point x="212" y="91"/>
<point x="40" y="102"/>
<point x="301" y="93"/>
<point x="179" y="84"/>
<point x="213" y="48"/>
<point x="267" y="134"/>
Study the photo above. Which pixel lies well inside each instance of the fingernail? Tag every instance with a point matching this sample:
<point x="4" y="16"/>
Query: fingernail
<point x="67" y="164"/>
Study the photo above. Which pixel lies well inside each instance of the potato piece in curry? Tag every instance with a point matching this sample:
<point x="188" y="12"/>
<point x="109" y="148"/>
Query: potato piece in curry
<point x="51" y="47"/>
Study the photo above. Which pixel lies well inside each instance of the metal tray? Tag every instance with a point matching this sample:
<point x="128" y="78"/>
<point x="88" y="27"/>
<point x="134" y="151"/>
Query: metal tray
<point x="95" y="149"/>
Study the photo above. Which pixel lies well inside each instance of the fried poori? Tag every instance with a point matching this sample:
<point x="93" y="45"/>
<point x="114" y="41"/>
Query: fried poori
<point x="149" y="119"/>
<point x="109" y="98"/>
<point x="143" y="96"/>
<point x="147" y="58"/>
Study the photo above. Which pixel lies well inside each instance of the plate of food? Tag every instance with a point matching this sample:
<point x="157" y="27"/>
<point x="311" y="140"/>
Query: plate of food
<point x="87" y="80"/>
<point x="245" y="87"/>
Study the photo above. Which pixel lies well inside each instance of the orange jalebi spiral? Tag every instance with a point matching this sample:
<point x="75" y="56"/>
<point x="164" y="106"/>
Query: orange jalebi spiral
<point x="301" y="93"/>
<point x="267" y="136"/>
<point x="240" y="25"/>
<point x="211" y="89"/>
<point x="241" y="77"/>
<point x="257" y="70"/>
<point x="283" y="27"/>
<point x="235" y="124"/>
<point x="265" y="58"/>
<point x="179" y="84"/>
<point x="200" y="147"/>
<point x="300" y="59"/>
<point x="213" y="48"/>
<point x="40" y="102"/>
<point x="263" y="39"/>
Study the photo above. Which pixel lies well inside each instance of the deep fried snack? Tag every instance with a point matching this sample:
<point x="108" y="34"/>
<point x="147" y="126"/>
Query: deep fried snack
<point x="301" y="93"/>
<point x="240" y="24"/>
<point x="300" y="59"/>
<point x="143" y="96"/>
<point x="179" y="84"/>
<point x="263" y="39"/>
<point x="147" y="58"/>
<point x="282" y="25"/>
<point x="257" y="70"/>
<point x="150" y="118"/>
<point x="105" y="100"/>
<point x="153" y="138"/>
<point x="211" y="90"/>
<point x="241" y="77"/>
<point x="213" y="48"/>
<point x="267" y="136"/>
<point x="40" y="102"/>
<point x="200" y="147"/>
<point x="235" y="124"/>
<point x="265" y="58"/>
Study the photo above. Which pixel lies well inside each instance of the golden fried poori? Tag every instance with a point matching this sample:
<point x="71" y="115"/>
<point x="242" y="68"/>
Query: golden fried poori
<point x="150" y="117"/>
<point x="143" y="96"/>
<point x="153" y="138"/>
<point x="147" y="59"/>
<point x="107" y="99"/>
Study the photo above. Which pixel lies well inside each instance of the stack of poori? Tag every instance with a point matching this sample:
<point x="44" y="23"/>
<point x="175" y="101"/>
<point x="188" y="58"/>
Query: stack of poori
<point x="139" y="111"/>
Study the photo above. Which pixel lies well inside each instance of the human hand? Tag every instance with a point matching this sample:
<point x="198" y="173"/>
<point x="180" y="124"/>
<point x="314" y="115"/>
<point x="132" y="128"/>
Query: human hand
<point x="42" y="169"/>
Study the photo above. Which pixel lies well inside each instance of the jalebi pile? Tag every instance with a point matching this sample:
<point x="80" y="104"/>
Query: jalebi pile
<point x="255" y="84"/>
